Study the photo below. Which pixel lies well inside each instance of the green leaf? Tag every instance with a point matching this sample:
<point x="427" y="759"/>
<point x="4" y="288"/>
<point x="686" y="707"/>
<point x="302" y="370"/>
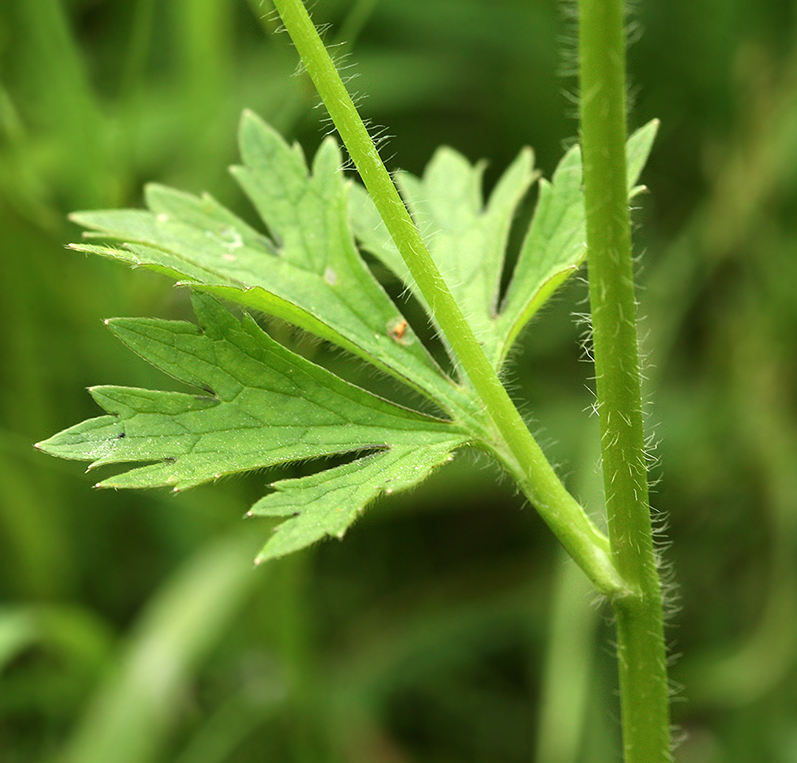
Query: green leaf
<point x="308" y="271"/>
<point x="555" y="245"/>
<point x="328" y="502"/>
<point x="263" y="405"/>
<point x="257" y="404"/>
<point x="467" y="239"/>
<point x="638" y="151"/>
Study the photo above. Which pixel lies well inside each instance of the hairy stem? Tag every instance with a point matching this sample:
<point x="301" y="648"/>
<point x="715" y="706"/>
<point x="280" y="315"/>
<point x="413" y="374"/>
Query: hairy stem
<point x="515" y="445"/>
<point x="640" y="634"/>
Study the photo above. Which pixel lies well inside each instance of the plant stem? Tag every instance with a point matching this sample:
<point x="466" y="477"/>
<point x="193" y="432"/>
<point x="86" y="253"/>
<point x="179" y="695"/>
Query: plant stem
<point x="640" y="634"/>
<point x="514" y="444"/>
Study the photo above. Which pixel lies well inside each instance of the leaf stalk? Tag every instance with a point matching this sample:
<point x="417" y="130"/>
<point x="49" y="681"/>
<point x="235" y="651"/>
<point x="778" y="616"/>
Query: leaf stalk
<point x="512" y="442"/>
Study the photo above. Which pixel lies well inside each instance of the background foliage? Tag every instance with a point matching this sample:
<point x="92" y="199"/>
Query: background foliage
<point x="446" y="626"/>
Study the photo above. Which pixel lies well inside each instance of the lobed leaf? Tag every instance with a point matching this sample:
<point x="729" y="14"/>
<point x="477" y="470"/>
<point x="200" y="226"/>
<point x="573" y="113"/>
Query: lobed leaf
<point x="555" y="245"/>
<point x="259" y="404"/>
<point x="308" y="271"/>
<point x="263" y="405"/>
<point x="328" y="502"/>
<point x="467" y="238"/>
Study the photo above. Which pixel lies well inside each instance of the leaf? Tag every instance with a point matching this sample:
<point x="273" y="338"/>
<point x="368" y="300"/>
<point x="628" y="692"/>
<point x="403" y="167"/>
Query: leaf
<point x="328" y="502"/>
<point x="307" y="272"/>
<point x="467" y="239"/>
<point x="257" y="403"/>
<point x="262" y="405"/>
<point x="555" y="245"/>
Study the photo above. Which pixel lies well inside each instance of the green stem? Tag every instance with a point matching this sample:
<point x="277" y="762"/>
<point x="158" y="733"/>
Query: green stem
<point x="514" y="444"/>
<point x="640" y="634"/>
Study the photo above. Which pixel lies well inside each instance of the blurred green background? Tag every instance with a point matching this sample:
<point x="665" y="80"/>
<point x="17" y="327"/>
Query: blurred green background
<point x="446" y="628"/>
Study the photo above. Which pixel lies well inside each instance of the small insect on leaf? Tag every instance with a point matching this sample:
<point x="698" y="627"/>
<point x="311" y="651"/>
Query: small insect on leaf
<point x="398" y="331"/>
